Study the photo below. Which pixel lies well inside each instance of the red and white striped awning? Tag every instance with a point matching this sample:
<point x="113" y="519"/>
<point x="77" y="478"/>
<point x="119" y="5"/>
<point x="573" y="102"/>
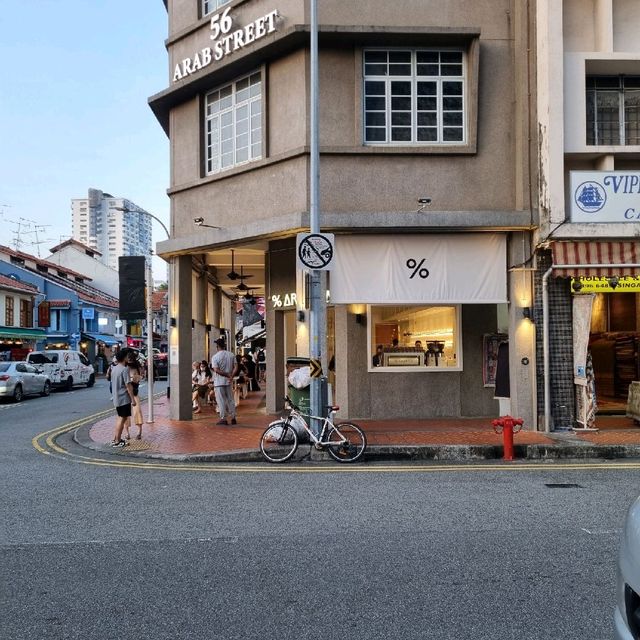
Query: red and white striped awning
<point x="588" y="254"/>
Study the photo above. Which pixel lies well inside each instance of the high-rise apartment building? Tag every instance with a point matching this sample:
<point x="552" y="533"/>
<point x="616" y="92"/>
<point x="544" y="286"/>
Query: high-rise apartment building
<point x="113" y="226"/>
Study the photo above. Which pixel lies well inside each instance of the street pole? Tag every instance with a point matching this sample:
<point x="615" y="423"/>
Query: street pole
<point x="150" y="339"/>
<point x="317" y="301"/>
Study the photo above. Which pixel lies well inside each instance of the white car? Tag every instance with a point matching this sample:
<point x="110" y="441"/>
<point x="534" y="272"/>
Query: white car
<point x="19" y="379"/>
<point x="627" y="612"/>
<point x="65" y="368"/>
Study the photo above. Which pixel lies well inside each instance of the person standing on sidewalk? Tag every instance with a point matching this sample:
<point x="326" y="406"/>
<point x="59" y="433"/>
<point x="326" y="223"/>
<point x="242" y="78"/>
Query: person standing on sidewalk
<point x="223" y="366"/>
<point x="123" y="398"/>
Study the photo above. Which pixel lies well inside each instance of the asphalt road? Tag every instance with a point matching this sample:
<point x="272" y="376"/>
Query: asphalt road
<point x="89" y="551"/>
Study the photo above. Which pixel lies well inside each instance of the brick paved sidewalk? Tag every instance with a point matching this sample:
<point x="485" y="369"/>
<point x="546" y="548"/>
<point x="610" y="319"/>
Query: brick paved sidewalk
<point x="201" y="435"/>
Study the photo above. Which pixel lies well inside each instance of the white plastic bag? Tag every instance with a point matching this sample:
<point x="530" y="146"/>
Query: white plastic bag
<point x="300" y="378"/>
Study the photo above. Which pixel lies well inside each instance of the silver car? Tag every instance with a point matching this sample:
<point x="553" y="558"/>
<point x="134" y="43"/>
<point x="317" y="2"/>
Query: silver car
<point x="19" y="379"/>
<point x="627" y="612"/>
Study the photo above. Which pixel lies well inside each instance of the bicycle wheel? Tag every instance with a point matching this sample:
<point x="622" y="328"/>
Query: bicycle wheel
<point x="346" y="442"/>
<point x="279" y="442"/>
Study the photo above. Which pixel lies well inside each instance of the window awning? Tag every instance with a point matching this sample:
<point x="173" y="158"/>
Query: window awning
<point x="593" y="259"/>
<point x="109" y="340"/>
<point x="18" y="332"/>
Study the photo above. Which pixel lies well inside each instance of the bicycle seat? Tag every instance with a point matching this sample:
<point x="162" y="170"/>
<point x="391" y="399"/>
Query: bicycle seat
<point x="333" y="408"/>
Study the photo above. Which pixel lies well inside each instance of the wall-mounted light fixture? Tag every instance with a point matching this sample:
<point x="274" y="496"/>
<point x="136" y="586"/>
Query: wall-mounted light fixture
<point x="527" y="313"/>
<point x="359" y="318"/>
<point x="576" y="285"/>
<point x="300" y="315"/>
<point x="201" y="223"/>
<point x="172" y="322"/>
<point x="207" y="327"/>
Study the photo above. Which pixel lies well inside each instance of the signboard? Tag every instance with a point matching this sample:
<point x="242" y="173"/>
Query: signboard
<point x="605" y="196"/>
<point x="225" y="41"/>
<point x="315" y="251"/>
<point x="593" y="284"/>
<point x="88" y="313"/>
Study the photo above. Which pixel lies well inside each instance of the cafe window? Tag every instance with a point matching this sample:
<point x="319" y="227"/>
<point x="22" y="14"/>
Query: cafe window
<point x="414" y="338"/>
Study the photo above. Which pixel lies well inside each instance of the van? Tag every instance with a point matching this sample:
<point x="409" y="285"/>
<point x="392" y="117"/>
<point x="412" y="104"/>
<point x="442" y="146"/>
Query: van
<point x="65" y="368"/>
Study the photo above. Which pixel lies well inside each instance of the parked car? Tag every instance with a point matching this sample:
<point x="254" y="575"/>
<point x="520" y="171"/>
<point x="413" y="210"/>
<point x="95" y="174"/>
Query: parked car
<point x="160" y="363"/>
<point x="19" y="379"/>
<point x="627" y="611"/>
<point x="65" y="368"/>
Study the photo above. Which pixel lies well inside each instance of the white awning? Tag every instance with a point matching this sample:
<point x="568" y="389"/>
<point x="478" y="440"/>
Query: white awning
<point x="408" y="269"/>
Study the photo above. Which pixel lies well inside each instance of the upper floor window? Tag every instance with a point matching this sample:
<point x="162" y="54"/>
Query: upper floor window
<point x="233" y="119"/>
<point x="209" y="6"/>
<point x="8" y="311"/>
<point x="26" y="313"/>
<point x="613" y="110"/>
<point x="414" y="96"/>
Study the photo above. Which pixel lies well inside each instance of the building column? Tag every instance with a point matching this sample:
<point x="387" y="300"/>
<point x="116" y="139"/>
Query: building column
<point x="343" y="362"/>
<point x="275" y="360"/>
<point x="199" y="334"/>
<point x="522" y="332"/>
<point x="180" y="340"/>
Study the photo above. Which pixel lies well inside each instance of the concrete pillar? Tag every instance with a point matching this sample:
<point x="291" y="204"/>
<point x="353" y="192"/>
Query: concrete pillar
<point x="180" y="340"/>
<point x="344" y="365"/>
<point x="199" y="317"/>
<point x="604" y="26"/>
<point x="550" y="92"/>
<point x="522" y="333"/>
<point x="275" y="361"/>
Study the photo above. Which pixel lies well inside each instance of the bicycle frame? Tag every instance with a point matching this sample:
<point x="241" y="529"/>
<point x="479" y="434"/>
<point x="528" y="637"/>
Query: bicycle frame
<point x="327" y="423"/>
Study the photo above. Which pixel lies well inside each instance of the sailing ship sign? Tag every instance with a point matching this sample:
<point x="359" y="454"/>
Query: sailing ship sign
<point x="605" y="196"/>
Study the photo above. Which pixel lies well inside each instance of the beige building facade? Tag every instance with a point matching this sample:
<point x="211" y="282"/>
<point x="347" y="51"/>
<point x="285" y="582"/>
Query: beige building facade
<point x="428" y="179"/>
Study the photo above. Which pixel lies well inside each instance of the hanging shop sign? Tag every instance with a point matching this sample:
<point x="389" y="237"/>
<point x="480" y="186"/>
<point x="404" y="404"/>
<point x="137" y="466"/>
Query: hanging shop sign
<point x="618" y="284"/>
<point x="605" y="196"/>
<point x="226" y="40"/>
<point x="408" y="269"/>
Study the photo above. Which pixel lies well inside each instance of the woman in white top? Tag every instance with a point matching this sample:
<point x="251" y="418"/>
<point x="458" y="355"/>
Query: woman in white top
<point x="202" y="379"/>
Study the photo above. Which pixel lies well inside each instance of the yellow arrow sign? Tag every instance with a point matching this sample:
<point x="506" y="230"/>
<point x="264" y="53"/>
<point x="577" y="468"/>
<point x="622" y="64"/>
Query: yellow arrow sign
<point x="316" y="368"/>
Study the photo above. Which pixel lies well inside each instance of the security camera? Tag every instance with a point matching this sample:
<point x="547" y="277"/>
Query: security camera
<point x="198" y="221"/>
<point x="424" y="201"/>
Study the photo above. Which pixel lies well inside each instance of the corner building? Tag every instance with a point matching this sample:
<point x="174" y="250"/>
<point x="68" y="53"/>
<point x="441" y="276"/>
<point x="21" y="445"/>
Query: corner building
<point x="418" y="100"/>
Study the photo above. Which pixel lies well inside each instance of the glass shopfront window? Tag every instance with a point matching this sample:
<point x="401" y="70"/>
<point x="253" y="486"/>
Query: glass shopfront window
<point x="414" y="338"/>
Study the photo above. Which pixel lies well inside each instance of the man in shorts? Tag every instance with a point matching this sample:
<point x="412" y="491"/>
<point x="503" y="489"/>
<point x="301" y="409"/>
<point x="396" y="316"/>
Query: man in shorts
<point x="123" y="398"/>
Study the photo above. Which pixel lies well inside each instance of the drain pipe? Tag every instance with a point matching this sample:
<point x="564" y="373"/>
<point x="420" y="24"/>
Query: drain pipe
<point x="545" y="326"/>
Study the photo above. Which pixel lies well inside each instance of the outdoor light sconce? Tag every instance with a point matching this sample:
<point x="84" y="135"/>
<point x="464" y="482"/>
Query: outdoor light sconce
<point x="613" y="281"/>
<point x="200" y="222"/>
<point x="359" y="318"/>
<point x="576" y="285"/>
<point x="208" y="327"/>
<point x="527" y="313"/>
<point x="172" y="322"/>
<point x="301" y="316"/>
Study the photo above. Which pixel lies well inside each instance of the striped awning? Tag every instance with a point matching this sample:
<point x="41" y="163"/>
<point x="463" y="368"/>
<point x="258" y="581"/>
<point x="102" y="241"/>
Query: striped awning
<point x="595" y="253"/>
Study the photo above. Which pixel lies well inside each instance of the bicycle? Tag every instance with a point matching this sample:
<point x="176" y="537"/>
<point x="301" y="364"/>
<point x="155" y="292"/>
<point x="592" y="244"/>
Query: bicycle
<point x="345" y="441"/>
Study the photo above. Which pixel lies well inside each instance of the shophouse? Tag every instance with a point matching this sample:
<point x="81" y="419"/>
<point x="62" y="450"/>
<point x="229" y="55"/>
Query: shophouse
<point x="73" y="313"/>
<point x="18" y="335"/>
<point x="428" y="179"/>
<point x="588" y="258"/>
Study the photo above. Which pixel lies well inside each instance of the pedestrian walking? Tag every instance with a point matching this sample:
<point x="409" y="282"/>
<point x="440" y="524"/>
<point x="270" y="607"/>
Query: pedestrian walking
<point x="136" y="372"/>
<point x="262" y="365"/>
<point x="223" y="365"/>
<point x="113" y="363"/>
<point x="123" y="398"/>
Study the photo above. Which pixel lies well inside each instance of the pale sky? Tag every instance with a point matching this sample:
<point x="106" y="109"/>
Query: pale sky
<point x="74" y="82"/>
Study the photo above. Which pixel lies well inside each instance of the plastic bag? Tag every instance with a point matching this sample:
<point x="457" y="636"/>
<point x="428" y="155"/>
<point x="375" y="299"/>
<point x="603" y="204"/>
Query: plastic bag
<point x="300" y="378"/>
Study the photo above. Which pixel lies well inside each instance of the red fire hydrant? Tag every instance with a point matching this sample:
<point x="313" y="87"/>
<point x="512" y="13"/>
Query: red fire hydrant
<point x="505" y="425"/>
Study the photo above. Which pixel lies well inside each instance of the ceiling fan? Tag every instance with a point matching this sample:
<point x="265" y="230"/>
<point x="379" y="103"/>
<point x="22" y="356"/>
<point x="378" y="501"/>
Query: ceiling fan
<point x="233" y="274"/>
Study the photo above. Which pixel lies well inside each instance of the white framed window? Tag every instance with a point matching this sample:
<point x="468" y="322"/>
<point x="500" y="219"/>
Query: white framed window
<point x="233" y="124"/>
<point x="209" y="6"/>
<point x="414" y="96"/>
<point x="414" y="338"/>
<point x="613" y="110"/>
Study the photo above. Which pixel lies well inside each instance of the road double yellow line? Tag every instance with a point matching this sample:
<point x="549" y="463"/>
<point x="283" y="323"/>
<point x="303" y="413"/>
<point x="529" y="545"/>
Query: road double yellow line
<point x="45" y="443"/>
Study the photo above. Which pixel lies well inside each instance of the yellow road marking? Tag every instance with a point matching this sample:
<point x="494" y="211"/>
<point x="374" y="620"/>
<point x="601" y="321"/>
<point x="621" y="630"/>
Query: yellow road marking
<point x="50" y="447"/>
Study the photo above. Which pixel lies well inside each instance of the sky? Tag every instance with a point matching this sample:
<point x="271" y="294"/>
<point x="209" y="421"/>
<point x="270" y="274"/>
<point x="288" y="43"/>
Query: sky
<point x="74" y="83"/>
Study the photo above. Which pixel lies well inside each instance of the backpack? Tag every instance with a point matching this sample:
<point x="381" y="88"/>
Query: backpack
<point x="261" y="356"/>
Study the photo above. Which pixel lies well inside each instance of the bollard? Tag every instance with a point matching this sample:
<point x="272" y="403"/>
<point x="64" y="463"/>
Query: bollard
<point x="506" y="424"/>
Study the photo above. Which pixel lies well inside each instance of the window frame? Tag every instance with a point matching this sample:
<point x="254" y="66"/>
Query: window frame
<point x="414" y="78"/>
<point x="218" y="5"/>
<point x="211" y="168"/>
<point x="9" y="311"/>
<point x="591" y="98"/>
<point x="458" y="343"/>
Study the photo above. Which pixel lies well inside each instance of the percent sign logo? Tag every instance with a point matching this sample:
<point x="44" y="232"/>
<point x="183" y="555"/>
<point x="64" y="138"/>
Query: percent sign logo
<point x="277" y="300"/>
<point x="417" y="268"/>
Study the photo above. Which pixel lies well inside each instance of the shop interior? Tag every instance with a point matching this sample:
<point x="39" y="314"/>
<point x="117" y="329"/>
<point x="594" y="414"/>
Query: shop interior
<point x="614" y="342"/>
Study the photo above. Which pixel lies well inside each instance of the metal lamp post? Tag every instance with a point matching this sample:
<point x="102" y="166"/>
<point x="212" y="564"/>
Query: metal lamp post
<point x="149" y="277"/>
